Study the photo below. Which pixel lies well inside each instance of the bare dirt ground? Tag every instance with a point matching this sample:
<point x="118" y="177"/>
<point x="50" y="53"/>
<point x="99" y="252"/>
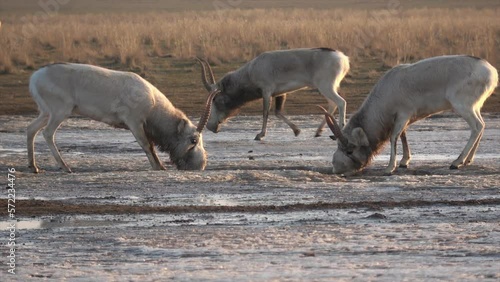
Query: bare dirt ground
<point x="180" y="81"/>
<point x="262" y="211"/>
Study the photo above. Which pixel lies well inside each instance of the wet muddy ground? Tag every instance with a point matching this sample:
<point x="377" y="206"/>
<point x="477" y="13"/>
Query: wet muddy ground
<point x="262" y="211"/>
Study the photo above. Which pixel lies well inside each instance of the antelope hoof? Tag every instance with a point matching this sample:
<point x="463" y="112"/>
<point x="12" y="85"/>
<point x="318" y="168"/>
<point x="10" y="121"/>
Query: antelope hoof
<point x="34" y="169"/>
<point x="333" y="137"/>
<point x="296" y="132"/>
<point x="456" y="165"/>
<point x="318" y="133"/>
<point x="259" y="137"/>
<point x="388" y="172"/>
<point x="403" y="166"/>
<point x="67" y="170"/>
<point x="161" y="167"/>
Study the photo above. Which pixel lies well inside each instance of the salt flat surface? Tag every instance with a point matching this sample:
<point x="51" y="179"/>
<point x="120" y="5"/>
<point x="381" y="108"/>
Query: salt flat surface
<point x="423" y="223"/>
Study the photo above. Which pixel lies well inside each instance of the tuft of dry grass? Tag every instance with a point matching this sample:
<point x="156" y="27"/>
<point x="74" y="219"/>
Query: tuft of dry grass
<point x="132" y="40"/>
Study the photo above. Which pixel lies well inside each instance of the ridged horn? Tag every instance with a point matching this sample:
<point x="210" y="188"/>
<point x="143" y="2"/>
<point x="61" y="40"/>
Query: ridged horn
<point x="210" y="73"/>
<point x="207" y="77"/>
<point x="334" y="127"/>
<point x="206" y="114"/>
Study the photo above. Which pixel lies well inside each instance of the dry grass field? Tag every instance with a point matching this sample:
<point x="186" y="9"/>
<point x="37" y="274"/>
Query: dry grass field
<point x="159" y="40"/>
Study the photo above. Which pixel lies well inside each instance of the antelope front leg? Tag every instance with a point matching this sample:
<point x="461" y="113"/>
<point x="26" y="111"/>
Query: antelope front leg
<point x="406" y="151"/>
<point x="265" y="116"/>
<point x="159" y="165"/>
<point x="392" y="161"/>
<point x="147" y="146"/>
<point x="399" y="128"/>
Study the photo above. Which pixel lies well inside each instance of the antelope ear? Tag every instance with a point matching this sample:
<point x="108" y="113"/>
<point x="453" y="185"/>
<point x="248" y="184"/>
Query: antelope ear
<point x="359" y="137"/>
<point x="181" y="126"/>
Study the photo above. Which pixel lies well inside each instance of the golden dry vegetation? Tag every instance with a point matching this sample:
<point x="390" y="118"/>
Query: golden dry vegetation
<point x="161" y="45"/>
<point x="392" y="36"/>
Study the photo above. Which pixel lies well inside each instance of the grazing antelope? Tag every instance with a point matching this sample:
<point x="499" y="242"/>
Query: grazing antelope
<point x="406" y="94"/>
<point x="120" y="99"/>
<point x="274" y="74"/>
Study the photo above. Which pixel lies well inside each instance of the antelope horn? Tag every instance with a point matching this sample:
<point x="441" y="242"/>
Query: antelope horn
<point x="210" y="72"/>
<point x="334" y="127"/>
<point x="206" y="114"/>
<point x="205" y="76"/>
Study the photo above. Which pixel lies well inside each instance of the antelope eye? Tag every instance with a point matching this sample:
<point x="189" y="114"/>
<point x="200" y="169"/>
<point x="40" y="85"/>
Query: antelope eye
<point x="349" y="149"/>
<point x="194" y="140"/>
